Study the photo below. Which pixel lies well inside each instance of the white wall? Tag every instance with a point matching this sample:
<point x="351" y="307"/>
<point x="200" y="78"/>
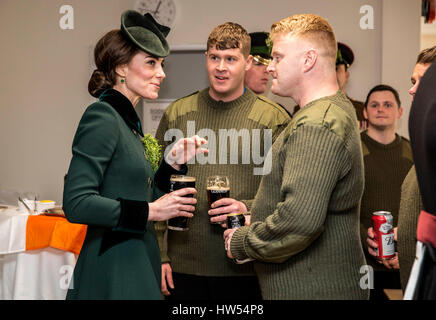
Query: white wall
<point x="428" y="34"/>
<point x="428" y="41"/>
<point x="401" y="27"/>
<point x="45" y="70"/>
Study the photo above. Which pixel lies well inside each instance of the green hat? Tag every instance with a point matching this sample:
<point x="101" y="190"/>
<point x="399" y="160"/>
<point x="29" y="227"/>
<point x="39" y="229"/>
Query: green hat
<point x="260" y="48"/>
<point x="145" y="32"/>
<point x="345" y="55"/>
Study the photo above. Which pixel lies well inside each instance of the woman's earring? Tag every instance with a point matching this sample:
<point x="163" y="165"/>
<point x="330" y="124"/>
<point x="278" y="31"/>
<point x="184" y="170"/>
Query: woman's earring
<point x="123" y="80"/>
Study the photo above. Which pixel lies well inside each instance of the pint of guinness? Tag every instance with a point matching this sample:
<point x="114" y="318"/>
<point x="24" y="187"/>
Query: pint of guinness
<point x="217" y="187"/>
<point x="179" y="182"/>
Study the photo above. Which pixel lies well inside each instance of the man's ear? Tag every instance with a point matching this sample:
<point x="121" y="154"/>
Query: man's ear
<point x="249" y="62"/>
<point x="400" y="112"/>
<point x="310" y="58"/>
<point x="365" y="114"/>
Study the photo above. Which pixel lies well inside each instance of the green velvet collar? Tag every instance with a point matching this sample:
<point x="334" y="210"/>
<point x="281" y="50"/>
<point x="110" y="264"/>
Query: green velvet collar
<point x="124" y="107"/>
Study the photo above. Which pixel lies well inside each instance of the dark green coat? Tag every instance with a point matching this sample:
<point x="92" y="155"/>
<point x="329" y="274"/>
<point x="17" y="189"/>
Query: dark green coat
<point x="108" y="187"/>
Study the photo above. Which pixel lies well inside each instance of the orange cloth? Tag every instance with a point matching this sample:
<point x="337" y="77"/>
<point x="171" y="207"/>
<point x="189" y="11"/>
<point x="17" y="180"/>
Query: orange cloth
<point x="56" y="232"/>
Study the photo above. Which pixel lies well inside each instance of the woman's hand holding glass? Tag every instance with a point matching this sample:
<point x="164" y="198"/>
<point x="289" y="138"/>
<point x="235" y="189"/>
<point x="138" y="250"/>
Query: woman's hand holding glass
<point x="173" y="204"/>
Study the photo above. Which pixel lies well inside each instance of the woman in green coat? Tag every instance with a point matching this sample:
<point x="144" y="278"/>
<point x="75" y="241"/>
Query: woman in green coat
<point x="111" y="184"/>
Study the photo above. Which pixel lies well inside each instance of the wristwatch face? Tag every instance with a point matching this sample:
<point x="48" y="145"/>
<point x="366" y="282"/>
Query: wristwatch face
<point x="164" y="11"/>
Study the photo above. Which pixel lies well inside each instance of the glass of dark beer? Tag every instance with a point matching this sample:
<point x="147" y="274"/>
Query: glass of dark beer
<point x="179" y="182"/>
<point x="217" y="187"/>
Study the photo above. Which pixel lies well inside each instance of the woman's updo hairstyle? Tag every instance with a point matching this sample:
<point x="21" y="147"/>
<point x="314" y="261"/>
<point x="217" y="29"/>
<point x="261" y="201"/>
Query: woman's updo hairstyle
<point x="111" y="51"/>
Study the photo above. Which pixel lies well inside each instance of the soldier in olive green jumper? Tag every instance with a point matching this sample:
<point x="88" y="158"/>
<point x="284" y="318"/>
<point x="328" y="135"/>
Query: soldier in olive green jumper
<point x="195" y="266"/>
<point x="304" y="234"/>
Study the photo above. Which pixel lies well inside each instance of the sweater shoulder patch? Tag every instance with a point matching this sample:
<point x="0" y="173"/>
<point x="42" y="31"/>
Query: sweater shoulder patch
<point x="365" y="150"/>
<point x="182" y="106"/>
<point x="338" y="120"/>
<point x="406" y="149"/>
<point x="327" y="115"/>
<point x="268" y="113"/>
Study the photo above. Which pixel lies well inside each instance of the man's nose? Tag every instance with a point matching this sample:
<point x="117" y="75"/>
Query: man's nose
<point x="270" y="67"/>
<point x="412" y="90"/>
<point x="221" y="65"/>
<point x="265" y="70"/>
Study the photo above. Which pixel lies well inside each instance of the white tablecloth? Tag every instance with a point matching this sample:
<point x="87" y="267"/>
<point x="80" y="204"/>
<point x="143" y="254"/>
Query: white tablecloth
<point x="34" y="274"/>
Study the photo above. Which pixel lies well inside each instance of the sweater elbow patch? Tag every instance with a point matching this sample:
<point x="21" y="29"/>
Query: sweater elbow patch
<point x="280" y="250"/>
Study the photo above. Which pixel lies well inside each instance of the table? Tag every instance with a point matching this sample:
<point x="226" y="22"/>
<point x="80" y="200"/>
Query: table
<point x="393" y="294"/>
<point x="37" y="255"/>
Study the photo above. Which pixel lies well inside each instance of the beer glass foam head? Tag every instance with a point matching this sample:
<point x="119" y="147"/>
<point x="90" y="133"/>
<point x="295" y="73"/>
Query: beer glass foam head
<point x="217" y="187"/>
<point x="218" y="181"/>
<point x="182" y="178"/>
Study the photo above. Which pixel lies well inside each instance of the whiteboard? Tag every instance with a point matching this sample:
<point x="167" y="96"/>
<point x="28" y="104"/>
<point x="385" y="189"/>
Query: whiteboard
<point x="152" y="113"/>
<point x="185" y="70"/>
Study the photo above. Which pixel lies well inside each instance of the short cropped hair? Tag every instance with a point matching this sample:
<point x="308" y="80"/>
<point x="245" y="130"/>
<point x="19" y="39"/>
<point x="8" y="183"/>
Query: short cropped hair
<point x="230" y="35"/>
<point x="308" y="26"/>
<point x="427" y="55"/>
<point x="383" y="87"/>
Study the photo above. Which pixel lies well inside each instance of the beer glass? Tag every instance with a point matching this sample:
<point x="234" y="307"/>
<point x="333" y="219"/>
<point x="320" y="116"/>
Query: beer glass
<point x="179" y="182"/>
<point x="217" y="187"/>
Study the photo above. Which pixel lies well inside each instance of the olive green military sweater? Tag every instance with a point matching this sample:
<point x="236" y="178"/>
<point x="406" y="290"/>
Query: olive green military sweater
<point x="304" y="234"/>
<point x="386" y="166"/>
<point x="410" y="208"/>
<point x="237" y="133"/>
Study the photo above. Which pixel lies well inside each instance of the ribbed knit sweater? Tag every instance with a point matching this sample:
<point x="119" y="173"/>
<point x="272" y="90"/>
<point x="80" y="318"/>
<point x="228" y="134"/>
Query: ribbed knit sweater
<point x="410" y="207"/>
<point x="304" y="234"/>
<point x="386" y="166"/>
<point x="200" y="250"/>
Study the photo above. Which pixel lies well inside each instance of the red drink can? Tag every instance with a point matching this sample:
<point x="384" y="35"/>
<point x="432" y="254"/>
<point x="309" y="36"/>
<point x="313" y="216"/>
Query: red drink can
<point x="382" y="223"/>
